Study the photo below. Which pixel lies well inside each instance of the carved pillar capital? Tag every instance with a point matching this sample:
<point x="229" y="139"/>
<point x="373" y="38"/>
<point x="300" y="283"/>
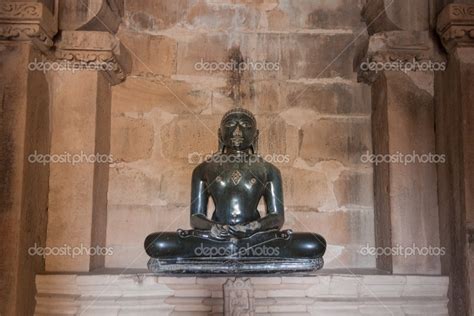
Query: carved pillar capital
<point x="398" y="51"/>
<point x="95" y="51"/>
<point x="28" y="21"/>
<point x="455" y="26"/>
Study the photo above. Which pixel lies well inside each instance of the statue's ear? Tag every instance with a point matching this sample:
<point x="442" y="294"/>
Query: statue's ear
<point x="255" y="142"/>
<point x="220" y="142"/>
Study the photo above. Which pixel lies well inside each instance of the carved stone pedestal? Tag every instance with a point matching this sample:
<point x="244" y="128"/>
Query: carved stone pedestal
<point x="331" y="294"/>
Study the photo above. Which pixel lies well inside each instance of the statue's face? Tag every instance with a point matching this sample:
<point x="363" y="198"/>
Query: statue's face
<point x="238" y="131"/>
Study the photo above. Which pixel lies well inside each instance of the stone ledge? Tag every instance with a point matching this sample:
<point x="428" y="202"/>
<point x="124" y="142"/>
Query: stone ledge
<point x="99" y="48"/>
<point x="110" y="294"/>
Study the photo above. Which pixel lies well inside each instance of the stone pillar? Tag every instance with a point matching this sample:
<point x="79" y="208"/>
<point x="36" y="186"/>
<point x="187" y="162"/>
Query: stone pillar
<point x="26" y="30"/>
<point x="455" y="130"/>
<point x="406" y="212"/>
<point x="81" y="129"/>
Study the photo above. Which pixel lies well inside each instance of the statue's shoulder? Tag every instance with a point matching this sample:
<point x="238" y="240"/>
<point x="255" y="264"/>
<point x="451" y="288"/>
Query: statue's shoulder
<point x="207" y="163"/>
<point x="200" y="169"/>
<point x="270" y="168"/>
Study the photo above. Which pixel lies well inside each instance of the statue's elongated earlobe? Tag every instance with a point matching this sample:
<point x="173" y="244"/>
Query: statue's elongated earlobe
<point x="220" y="142"/>
<point x="255" y="142"/>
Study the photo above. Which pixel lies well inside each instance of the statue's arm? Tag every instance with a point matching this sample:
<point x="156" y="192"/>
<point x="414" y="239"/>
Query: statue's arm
<point x="199" y="199"/>
<point x="274" y="201"/>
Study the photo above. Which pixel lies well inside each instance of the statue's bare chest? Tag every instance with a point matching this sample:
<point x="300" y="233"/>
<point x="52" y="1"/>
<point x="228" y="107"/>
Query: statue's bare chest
<point x="236" y="179"/>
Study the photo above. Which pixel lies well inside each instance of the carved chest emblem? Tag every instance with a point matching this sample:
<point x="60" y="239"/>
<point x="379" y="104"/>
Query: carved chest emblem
<point x="236" y="177"/>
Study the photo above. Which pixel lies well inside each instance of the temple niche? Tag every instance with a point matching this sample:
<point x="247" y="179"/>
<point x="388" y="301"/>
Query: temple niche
<point x="117" y="118"/>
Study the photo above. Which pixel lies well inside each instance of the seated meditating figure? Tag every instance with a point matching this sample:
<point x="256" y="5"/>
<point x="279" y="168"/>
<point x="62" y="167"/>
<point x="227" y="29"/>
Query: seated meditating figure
<point x="236" y="239"/>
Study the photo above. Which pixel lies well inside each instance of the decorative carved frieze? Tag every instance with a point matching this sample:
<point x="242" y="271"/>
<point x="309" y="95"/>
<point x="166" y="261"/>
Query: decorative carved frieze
<point x="399" y="51"/>
<point x="27" y="21"/>
<point x="456" y="25"/>
<point x="95" y="51"/>
<point x="239" y="299"/>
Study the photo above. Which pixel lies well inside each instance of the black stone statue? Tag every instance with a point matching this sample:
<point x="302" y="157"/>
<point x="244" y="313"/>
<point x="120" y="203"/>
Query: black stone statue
<point x="236" y="239"/>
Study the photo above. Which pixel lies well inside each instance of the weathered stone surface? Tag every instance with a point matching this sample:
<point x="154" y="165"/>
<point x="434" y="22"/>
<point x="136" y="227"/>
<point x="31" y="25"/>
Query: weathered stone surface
<point x="132" y="139"/>
<point x="339" y="228"/>
<point x="318" y="56"/>
<point x="155" y="16"/>
<point x="282" y="150"/>
<point x="340" y="140"/>
<point x="353" y="188"/>
<point x="132" y="187"/>
<point x="94" y="15"/>
<point x="336" y="98"/>
<point x="145" y="93"/>
<point x="305" y="190"/>
<point x="145" y="49"/>
<point x="189" y="134"/>
<point x="129" y="225"/>
<point x="309" y="14"/>
<point x="293" y="56"/>
<point x="346" y="233"/>
<point x="193" y="55"/>
<point x="243" y="15"/>
<point x="175" y="188"/>
<point x="267" y="53"/>
<point x="263" y="97"/>
<point x="383" y="15"/>
<point x="219" y="16"/>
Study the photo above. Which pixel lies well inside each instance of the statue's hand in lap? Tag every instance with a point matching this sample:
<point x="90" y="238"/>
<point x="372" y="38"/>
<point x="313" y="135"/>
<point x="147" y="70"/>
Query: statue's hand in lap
<point x="220" y="232"/>
<point x="224" y="232"/>
<point x="246" y="230"/>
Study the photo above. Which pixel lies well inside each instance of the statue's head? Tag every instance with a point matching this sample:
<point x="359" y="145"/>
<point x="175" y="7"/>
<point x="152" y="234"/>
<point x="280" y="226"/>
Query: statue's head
<point x="238" y="130"/>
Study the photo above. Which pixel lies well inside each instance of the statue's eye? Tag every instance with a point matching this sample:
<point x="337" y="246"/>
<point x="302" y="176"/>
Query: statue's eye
<point x="230" y="123"/>
<point x="245" y="124"/>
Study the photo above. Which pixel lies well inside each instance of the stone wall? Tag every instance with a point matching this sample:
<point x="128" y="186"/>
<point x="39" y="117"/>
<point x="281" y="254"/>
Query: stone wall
<point x="313" y="116"/>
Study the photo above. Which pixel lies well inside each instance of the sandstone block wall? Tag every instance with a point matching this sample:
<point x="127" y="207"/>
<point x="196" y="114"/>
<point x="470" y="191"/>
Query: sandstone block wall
<point x="313" y="116"/>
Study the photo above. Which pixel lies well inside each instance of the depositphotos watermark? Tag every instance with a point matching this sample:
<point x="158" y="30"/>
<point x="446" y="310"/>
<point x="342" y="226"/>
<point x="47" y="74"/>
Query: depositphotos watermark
<point x="215" y="66"/>
<point x="197" y="158"/>
<point x="65" y="65"/>
<point x="69" y="251"/>
<point x="68" y="158"/>
<point x="405" y="66"/>
<point x="249" y="251"/>
<point x="402" y="158"/>
<point x="402" y="251"/>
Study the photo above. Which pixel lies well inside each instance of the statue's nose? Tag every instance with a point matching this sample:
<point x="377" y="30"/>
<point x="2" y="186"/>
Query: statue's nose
<point x="237" y="131"/>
